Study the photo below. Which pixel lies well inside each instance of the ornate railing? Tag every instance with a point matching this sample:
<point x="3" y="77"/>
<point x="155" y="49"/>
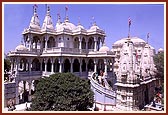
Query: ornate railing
<point x="67" y="50"/>
<point x="104" y="89"/>
<point x="29" y="73"/>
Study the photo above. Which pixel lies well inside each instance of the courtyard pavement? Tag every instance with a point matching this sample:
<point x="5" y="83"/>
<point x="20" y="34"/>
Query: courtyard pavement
<point x="19" y="107"/>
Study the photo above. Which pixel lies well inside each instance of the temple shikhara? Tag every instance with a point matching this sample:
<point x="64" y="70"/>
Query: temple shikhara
<point x="122" y="78"/>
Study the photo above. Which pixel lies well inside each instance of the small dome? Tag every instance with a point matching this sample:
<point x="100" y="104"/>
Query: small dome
<point x="47" y="24"/>
<point x="94" y="27"/>
<point x="104" y="48"/>
<point x="152" y="47"/>
<point x="21" y="47"/>
<point x="80" y="27"/>
<point x="35" y="22"/>
<point x="160" y="49"/>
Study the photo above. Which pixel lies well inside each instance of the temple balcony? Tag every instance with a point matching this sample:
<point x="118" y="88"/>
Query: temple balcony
<point x="28" y="74"/>
<point x="66" y="50"/>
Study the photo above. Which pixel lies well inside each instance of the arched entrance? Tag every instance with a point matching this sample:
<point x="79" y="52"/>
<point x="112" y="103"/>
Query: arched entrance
<point x="83" y="43"/>
<point x="67" y="65"/>
<point x="43" y="65"/>
<point x="23" y="64"/>
<point x="91" y="43"/>
<point x="91" y="65"/>
<point x="56" y="65"/>
<point x="49" y="65"/>
<point x="35" y="65"/>
<point x="76" y="66"/>
<point x="83" y="65"/>
<point x="51" y="42"/>
<point x="76" y="42"/>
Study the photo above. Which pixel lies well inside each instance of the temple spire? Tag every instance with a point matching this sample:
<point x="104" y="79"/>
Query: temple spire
<point x="93" y="21"/>
<point x="35" y="9"/>
<point x="66" y="14"/>
<point x="48" y="10"/>
<point x="58" y="18"/>
<point x="79" y="21"/>
<point x="147" y="37"/>
<point x="35" y="23"/>
<point x="129" y="26"/>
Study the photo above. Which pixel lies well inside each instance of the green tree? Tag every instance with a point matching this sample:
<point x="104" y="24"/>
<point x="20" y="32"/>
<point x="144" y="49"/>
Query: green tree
<point x="159" y="62"/>
<point x="62" y="92"/>
<point x="7" y="64"/>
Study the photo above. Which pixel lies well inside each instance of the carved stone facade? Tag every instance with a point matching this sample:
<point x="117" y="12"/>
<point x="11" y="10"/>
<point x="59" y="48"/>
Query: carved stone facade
<point x="134" y="89"/>
<point x="67" y="48"/>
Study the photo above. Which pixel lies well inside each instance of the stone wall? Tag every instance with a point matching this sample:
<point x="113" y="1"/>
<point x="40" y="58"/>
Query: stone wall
<point x="9" y="92"/>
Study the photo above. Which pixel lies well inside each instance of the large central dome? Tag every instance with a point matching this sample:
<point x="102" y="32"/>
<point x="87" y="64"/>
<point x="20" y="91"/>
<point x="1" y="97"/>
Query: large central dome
<point x="65" y="25"/>
<point x="135" y="40"/>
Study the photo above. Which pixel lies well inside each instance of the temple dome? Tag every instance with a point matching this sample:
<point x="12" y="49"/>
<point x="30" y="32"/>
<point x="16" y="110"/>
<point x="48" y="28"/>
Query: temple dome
<point x="94" y="27"/>
<point x="47" y="24"/>
<point x="35" y="22"/>
<point x="135" y="40"/>
<point x="160" y="50"/>
<point x="104" y="48"/>
<point x="21" y="47"/>
<point x="80" y="27"/>
<point x="66" y="25"/>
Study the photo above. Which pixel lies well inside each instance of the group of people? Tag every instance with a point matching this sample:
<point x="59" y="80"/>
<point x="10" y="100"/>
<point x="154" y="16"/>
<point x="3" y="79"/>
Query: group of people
<point x="11" y="105"/>
<point x="100" y="78"/>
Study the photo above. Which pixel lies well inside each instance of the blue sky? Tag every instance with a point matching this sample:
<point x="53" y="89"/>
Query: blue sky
<point x="112" y="18"/>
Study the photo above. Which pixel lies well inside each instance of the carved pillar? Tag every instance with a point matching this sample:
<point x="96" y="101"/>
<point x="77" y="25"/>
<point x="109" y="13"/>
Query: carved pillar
<point x="46" y="39"/>
<point x="11" y="65"/>
<point x="29" y="97"/>
<point x="80" y="62"/>
<point x="80" y="42"/>
<point x="95" y="65"/>
<point x="86" y="44"/>
<point x="29" y="42"/>
<point x="52" y="65"/>
<point x="105" y="68"/>
<point x="27" y="66"/>
<point x="16" y="65"/>
<point x="95" y="44"/>
<point x="30" y="61"/>
<point x="45" y="65"/>
<point x="60" y="62"/>
<point x="72" y="66"/>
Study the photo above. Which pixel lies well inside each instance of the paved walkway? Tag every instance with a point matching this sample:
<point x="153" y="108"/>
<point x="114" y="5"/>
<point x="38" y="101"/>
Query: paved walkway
<point x="19" y="107"/>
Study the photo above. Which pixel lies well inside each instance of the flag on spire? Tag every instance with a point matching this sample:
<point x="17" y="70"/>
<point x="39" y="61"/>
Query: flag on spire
<point x="35" y="5"/>
<point x="34" y="8"/>
<point x="58" y="14"/>
<point x="129" y="21"/>
<point x="129" y="25"/>
<point x="66" y="8"/>
<point x="148" y="35"/>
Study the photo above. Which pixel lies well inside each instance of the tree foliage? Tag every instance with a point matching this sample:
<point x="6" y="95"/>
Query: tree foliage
<point x="7" y="64"/>
<point x="62" y="92"/>
<point x="159" y="62"/>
